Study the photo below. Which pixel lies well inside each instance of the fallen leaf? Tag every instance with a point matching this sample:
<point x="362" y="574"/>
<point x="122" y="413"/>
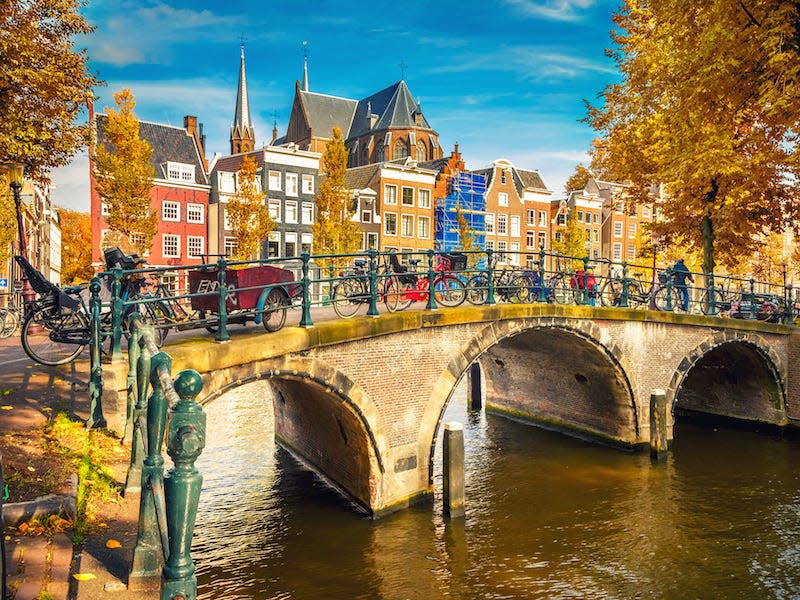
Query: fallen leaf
<point x="7" y="392"/>
<point x="113" y="544"/>
<point x="6" y="407"/>
<point x="84" y="576"/>
<point x="23" y="527"/>
<point x="31" y="469"/>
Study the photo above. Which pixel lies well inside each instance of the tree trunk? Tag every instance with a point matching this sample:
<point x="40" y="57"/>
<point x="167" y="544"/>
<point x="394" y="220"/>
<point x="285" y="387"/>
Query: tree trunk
<point x="707" y="227"/>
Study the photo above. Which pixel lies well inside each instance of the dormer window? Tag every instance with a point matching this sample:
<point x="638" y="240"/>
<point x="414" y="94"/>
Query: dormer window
<point x="180" y="172"/>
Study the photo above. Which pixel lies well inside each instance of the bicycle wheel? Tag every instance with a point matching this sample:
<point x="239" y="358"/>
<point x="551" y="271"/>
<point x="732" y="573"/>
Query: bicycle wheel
<point x="397" y="295"/>
<point x="274" y="315"/>
<point x="661" y="299"/>
<point x="636" y="296"/>
<point x="449" y="291"/>
<point x="718" y="302"/>
<point x="562" y="292"/>
<point x="477" y="289"/>
<point x="348" y="296"/>
<point x="157" y="315"/>
<point x="51" y="337"/>
<point x="520" y="289"/>
<point x="610" y="293"/>
<point x="8" y="323"/>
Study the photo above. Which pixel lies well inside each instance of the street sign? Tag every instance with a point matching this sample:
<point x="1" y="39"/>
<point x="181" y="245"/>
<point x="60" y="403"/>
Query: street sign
<point x="3" y="283"/>
<point x="17" y="286"/>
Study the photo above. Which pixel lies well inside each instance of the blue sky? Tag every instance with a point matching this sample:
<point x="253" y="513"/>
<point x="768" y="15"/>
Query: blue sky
<point x="504" y="78"/>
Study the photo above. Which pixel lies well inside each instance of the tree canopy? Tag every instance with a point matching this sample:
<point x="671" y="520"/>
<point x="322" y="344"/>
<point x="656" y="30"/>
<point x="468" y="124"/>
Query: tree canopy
<point x="708" y="106"/>
<point x="573" y="239"/>
<point x="248" y="215"/>
<point x="76" y="246"/>
<point x="578" y="179"/>
<point x="44" y="83"/>
<point x="124" y="176"/>
<point x="334" y="230"/>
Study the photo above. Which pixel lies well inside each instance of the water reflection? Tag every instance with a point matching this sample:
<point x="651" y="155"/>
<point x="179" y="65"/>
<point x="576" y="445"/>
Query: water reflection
<point x="547" y="517"/>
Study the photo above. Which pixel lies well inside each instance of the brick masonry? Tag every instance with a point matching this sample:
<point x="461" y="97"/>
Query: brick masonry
<point x="362" y="400"/>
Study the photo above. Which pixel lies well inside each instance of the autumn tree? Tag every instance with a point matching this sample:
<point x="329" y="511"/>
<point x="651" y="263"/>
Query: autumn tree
<point x="123" y="174"/>
<point x="44" y="83"/>
<point x="334" y="230"/>
<point x="578" y="179"/>
<point x="247" y="212"/>
<point x="8" y="219"/>
<point x="76" y="246"/>
<point x="708" y="106"/>
<point x="572" y="242"/>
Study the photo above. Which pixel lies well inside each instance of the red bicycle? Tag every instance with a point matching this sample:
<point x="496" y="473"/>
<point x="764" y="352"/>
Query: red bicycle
<point x="405" y="287"/>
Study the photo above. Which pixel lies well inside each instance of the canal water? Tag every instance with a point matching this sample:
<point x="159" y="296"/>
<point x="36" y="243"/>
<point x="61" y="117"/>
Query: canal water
<point x="548" y="516"/>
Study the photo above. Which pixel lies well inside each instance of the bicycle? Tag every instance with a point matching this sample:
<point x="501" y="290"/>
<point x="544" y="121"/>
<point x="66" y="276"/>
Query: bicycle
<point x="657" y="295"/>
<point x="10" y="317"/>
<point x="404" y="286"/>
<point x="352" y="292"/>
<point x="509" y="286"/>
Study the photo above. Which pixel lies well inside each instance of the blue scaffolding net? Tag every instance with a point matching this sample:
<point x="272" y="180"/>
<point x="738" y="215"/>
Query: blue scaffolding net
<point x="467" y="196"/>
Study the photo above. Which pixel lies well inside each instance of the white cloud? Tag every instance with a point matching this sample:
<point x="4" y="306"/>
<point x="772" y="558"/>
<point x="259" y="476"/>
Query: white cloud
<point x="557" y="10"/>
<point x="70" y="184"/>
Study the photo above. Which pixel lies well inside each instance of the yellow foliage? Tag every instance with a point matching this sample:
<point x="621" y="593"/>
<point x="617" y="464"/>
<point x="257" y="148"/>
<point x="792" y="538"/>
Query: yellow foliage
<point x="247" y="213"/>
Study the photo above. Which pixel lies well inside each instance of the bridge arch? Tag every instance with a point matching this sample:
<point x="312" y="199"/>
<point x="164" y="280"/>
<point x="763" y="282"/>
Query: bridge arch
<point x="732" y="374"/>
<point x="322" y="416"/>
<point x="599" y="363"/>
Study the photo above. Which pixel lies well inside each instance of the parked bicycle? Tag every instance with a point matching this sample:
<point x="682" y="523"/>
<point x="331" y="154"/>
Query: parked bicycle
<point x="655" y="295"/>
<point x="10" y="317"/>
<point x="405" y="286"/>
<point x="352" y="292"/>
<point x="510" y="285"/>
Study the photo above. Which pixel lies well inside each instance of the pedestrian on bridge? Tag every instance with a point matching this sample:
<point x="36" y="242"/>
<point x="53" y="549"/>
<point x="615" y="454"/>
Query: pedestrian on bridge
<point x="680" y="273"/>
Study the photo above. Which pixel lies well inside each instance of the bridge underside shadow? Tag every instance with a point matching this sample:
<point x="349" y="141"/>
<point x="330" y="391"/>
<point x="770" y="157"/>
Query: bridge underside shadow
<point x="736" y="381"/>
<point x="561" y="380"/>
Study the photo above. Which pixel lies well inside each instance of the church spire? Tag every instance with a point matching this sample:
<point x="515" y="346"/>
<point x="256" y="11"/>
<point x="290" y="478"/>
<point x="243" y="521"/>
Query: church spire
<point x="243" y="137"/>
<point x="305" y="66"/>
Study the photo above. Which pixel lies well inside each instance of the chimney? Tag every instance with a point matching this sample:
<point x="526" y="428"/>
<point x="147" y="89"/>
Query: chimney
<point x="190" y="125"/>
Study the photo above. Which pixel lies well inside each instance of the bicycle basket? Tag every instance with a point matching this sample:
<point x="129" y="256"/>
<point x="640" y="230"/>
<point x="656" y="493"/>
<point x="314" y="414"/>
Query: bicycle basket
<point x="662" y="278"/>
<point x="115" y="257"/>
<point x="458" y="261"/>
<point x="38" y="282"/>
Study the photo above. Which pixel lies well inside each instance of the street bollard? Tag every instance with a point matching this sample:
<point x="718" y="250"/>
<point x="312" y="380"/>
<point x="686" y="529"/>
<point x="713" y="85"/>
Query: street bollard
<point x="187" y="438"/>
<point x="373" y="284"/>
<point x="431" y="287"/>
<point x="222" y="329"/>
<point x="96" y="418"/>
<point x="453" y="470"/>
<point x="305" y="317"/>
<point x="658" y="424"/>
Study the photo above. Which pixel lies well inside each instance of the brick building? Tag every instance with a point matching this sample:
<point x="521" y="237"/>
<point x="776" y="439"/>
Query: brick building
<point x="179" y="195"/>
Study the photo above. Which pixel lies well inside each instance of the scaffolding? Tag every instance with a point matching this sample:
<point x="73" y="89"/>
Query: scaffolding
<point x="468" y="195"/>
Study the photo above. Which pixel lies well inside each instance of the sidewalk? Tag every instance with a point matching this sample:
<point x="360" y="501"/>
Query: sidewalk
<point x="31" y="394"/>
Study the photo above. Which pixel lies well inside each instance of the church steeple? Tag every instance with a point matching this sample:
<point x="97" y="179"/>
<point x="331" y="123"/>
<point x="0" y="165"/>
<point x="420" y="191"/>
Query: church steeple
<point x="305" y="66"/>
<point x="243" y="136"/>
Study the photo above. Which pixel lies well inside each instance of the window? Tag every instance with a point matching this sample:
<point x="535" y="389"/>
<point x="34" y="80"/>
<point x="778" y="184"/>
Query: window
<point x="561" y="219"/>
<point x="290" y="244"/>
<point x="195" y="245"/>
<point x="308" y="212"/>
<point x="595" y="253"/>
<point x="194" y="213"/>
<point x="274" y="180"/>
<point x="542" y="239"/>
<point x="291" y="184"/>
<point x="274" y="210"/>
<point x="291" y="211"/>
<point x="390" y="194"/>
<point x="502" y="199"/>
<point x="531" y="262"/>
<point x="230" y="246"/>
<point x="171" y="246"/>
<point x="424" y="227"/>
<point x="424" y="197"/>
<point x="490" y="244"/>
<point x="645" y="212"/>
<point x="406" y="226"/>
<point x="421" y="153"/>
<point x="305" y="243"/>
<point x="408" y="196"/>
<point x="529" y="239"/>
<point x="400" y="149"/>
<point x="489" y="222"/>
<point x="274" y="245"/>
<point x="596" y="218"/>
<point x="502" y="247"/>
<point x="170" y="211"/>
<point x="531" y="217"/>
<point x="618" y="207"/>
<point x="513" y="258"/>
<point x="618" y="229"/>
<point x="502" y="224"/>
<point x="580" y="216"/>
<point x="542" y="218"/>
<point x="631" y="251"/>
<point x="503" y="178"/>
<point x="308" y="184"/>
<point x="390" y="224"/>
<point x="617" y="255"/>
<point x="515" y="225"/>
<point x="366" y="216"/>
<point x="588" y="217"/>
<point x="180" y="172"/>
<point x="372" y="240"/>
<point x="104" y="209"/>
<point x="558" y="236"/>
<point x="380" y="153"/>
<point x="137" y="239"/>
<point x="596" y="233"/>
<point x="226" y="182"/>
<point x="632" y="231"/>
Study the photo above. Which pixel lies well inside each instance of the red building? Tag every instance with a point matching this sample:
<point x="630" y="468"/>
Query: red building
<point x="179" y="195"/>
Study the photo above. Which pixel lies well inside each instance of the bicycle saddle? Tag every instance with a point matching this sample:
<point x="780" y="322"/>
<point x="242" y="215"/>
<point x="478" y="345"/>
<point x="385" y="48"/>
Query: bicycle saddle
<point x="360" y="263"/>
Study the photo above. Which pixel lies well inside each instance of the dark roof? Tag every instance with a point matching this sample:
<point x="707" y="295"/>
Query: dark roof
<point x="528" y="179"/>
<point x="434" y="165"/>
<point x="173" y="144"/>
<point x="358" y="178"/>
<point x="326" y="112"/>
<point x="487" y="173"/>
<point x="230" y="164"/>
<point x="394" y="106"/>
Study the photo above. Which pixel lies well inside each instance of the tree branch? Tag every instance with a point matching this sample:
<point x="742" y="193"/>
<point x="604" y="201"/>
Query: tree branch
<point x="749" y="14"/>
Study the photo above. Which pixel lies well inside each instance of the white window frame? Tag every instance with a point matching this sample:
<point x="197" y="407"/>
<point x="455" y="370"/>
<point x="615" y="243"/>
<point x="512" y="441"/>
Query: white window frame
<point x="631" y="231"/>
<point x="424" y="198"/>
<point x="502" y="199"/>
<point x="631" y="251"/>
<point x="403" y="196"/>
<point x="104" y="209"/>
<point x="307" y="183"/>
<point x="403" y="220"/>
<point x="530" y="239"/>
<point x="289" y="207"/>
<point x="513" y="256"/>
<point x="200" y="213"/>
<point x="514" y="229"/>
<point x="193" y="240"/>
<point x="618" y="229"/>
<point x="616" y="251"/>
<point x="542" y="218"/>
<point x="168" y="205"/>
<point x="386" y="220"/>
<point x="226" y="182"/>
<point x="180" y="172"/>
<point x="172" y="237"/>
<point x="502" y="224"/>
<point x="274" y="205"/>
<point x="390" y="194"/>
<point x="226" y="220"/>
<point x="274" y="181"/>
<point x="229" y="245"/>
<point x="542" y="239"/>
<point x="489" y="223"/>
<point x="307" y="213"/>
<point x="424" y="232"/>
<point x="292" y="184"/>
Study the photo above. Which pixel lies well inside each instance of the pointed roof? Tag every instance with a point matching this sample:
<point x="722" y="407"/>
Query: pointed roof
<point x="326" y="112"/>
<point x="242" y="120"/>
<point x="394" y="106"/>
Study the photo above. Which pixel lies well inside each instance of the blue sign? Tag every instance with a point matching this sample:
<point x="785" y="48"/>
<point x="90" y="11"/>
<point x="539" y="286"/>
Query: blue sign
<point x="3" y="283"/>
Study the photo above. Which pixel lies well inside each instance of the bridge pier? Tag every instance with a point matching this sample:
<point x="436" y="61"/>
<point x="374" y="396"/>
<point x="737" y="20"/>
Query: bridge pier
<point x="474" y="387"/>
<point x="453" y="470"/>
<point x="658" y="424"/>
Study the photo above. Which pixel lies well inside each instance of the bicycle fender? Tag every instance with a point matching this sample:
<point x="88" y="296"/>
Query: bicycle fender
<point x="262" y="300"/>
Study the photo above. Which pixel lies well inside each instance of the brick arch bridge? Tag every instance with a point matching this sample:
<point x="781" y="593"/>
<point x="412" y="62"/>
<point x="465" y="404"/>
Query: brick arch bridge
<point x="361" y="400"/>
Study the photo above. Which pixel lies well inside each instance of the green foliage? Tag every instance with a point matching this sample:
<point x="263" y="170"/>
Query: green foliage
<point x="247" y="212"/>
<point x="334" y="230"/>
<point x="124" y="175"/>
<point x="708" y="106"/>
<point x="44" y="83"/>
